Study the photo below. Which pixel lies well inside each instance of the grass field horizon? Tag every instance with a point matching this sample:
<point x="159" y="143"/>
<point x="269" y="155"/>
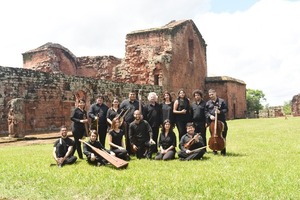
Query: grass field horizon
<point x="262" y="162"/>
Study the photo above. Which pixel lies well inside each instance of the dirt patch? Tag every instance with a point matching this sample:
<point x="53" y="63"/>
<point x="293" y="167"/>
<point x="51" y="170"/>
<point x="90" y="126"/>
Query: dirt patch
<point x="27" y="142"/>
<point x="33" y="139"/>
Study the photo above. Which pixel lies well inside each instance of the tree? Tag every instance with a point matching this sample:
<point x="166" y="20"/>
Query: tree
<point x="287" y="107"/>
<point x="254" y="98"/>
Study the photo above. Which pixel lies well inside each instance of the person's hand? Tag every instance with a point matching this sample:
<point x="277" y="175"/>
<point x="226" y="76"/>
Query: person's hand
<point x="135" y="147"/>
<point x="112" y="153"/>
<point x="96" y="118"/>
<point x="84" y="121"/>
<point x="121" y="148"/>
<point x="152" y="141"/>
<point x="60" y="161"/>
<point x="93" y="157"/>
<point x="188" y="151"/>
<point x="197" y="137"/>
<point x="183" y="111"/>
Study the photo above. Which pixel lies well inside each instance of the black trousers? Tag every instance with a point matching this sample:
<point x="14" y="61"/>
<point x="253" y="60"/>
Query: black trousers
<point x="192" y="156"/>
<point x="102" y="132"/>
<point x="145" y="149"/>
<point x="78" y="134"/>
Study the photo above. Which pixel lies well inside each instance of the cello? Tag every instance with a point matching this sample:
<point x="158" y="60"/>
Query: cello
<point x="216" y="141"/>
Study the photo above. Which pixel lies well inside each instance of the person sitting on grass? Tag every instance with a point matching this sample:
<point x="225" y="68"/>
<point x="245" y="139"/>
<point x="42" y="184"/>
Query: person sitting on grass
<point x="63" y="149"/>
<point x="116" y="141"/>
<point x="167" y="142"/>
<point x="191" y="144"/>
<point x="92" y="157"/>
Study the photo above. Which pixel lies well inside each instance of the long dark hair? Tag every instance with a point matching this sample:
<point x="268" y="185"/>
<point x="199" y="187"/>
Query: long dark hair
<point x="163" y="126"/>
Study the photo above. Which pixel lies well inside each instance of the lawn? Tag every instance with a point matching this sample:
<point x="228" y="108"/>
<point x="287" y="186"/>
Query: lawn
<point x="262" y="163"/>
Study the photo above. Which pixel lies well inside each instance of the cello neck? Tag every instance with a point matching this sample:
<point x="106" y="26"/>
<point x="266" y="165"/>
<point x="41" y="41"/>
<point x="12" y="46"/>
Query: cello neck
<point x="216" y="120"/>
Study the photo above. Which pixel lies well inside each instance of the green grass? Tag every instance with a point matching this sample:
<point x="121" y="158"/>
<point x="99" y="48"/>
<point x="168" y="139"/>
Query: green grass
<point x="262" y="163"/>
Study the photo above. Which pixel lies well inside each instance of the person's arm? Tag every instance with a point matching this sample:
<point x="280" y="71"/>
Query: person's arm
<point x="176" y="107"/>
<point x="91" y="113"/>
<point x="54" y="155"/>
<point x="108" y="115"/>
<point x="149" y="130"/>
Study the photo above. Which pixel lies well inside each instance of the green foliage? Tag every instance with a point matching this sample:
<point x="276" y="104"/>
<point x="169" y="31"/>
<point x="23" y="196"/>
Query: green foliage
<point x="287" y="107"/>
<point x="254" y="98"/>
<point x="258" y="166"/>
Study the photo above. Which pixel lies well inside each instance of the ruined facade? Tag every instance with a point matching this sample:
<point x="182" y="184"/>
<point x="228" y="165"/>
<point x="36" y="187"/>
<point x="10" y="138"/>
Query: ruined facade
<point x="170" y="57"/>
<point x="296" y="105"/>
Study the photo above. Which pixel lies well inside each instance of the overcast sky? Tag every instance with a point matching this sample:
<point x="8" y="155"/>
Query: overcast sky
<point x="257" y="41"/>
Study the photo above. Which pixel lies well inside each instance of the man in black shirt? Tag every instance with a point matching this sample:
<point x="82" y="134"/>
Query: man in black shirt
<point x="213" y="106"/>
<point x="97" y="113"/>
<point x="131" y="104"/>
<point x="140" y="134"/>
<point x="198" y="114"/>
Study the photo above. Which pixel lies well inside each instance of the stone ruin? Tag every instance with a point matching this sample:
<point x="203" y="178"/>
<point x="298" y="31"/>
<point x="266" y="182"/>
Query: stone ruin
<point x="170" y="57"/>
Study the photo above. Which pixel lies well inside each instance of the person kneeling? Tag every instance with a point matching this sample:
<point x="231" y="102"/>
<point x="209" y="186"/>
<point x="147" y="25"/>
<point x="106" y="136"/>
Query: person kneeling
<point x="191" y="144"/>
<point x="140" y="135"/>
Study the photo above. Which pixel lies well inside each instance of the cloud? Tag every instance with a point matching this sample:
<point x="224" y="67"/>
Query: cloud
<point x="259" y="45"/>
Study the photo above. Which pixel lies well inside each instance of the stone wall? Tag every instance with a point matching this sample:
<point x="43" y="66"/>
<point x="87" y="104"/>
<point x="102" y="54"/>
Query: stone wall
<point x="296" y="105"/>
<point x="49" y="98"/>
<point x="172" y="56"/>
<point x="273" y="111"/>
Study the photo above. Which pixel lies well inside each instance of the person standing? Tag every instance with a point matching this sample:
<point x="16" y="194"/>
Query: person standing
<point x="115" y="140"/>
<point x="191" y="144"/>
<point x="131" y="104"/>
<point x="97" y="113"/>
<point x="198" y="114"/>
<point x="113" y="111"/>
<point x="152" y="114"/>
<point x="167" y="142"/>
<point x="92" y="157"/>
<point x="140" y="134"/>
<point x="167" y="109"/>
<point x="182" y="112"/>
<point x="63" y="149"/>
<point x="79" y="119"/>
<point x="219" y="106"/>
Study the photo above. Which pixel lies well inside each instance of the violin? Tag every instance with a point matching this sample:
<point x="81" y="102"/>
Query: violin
<point x="190" y="143"/>
<point x="216" y="141"/>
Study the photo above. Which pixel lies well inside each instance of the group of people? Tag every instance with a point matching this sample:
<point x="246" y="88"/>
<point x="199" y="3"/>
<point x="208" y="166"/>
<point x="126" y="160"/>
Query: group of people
<point x="139" y="125"/>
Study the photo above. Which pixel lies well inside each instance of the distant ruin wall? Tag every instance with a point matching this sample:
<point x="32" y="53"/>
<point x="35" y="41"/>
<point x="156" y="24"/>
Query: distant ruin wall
<point x="296" y="105"/>
<point x="233" y="91"/>
<point x="50" y="98"/>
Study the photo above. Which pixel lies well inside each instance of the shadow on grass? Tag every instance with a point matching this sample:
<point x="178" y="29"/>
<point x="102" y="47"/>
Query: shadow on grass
<point x="228" y="154"/>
